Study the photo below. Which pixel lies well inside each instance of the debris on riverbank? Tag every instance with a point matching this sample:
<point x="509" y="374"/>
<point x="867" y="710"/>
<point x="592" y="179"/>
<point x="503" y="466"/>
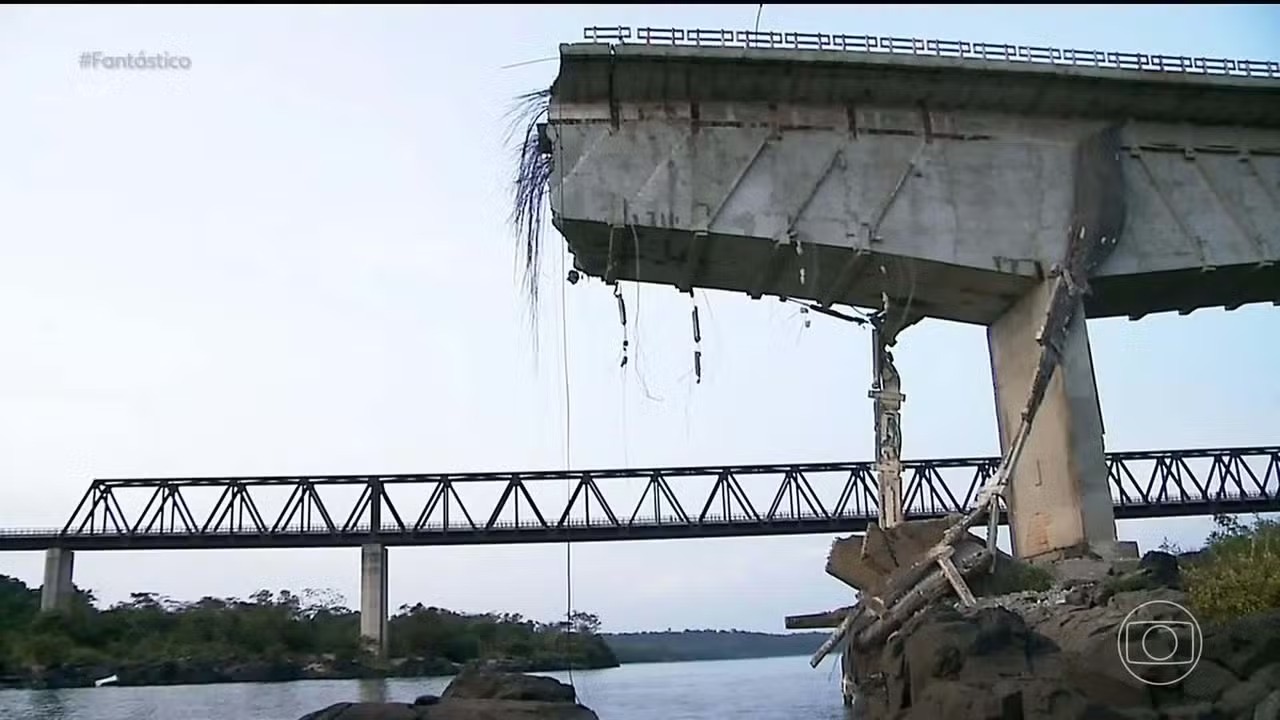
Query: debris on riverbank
<point x="477" y="693"/>
<point x="1069" y="652"/>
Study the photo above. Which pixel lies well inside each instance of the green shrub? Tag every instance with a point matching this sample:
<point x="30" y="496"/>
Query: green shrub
<point x="1013" y="576"/>
<point x="1239" y="571"/>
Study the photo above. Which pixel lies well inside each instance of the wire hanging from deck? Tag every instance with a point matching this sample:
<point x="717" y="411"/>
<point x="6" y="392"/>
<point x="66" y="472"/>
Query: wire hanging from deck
<point x="697" y="342"/>
<point x="640" y="361"/>
<point x="568" y="432"/>
<point x="622" y="317"/>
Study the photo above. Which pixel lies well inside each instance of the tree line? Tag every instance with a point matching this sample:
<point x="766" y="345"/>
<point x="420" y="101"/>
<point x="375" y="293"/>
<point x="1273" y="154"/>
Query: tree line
<point x="675" y="646"/>
<point x="277" y="627"/>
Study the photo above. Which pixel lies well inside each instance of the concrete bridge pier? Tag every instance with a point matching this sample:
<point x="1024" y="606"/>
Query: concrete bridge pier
<point x="1059" y="499"/>
<point x="58" y="589"/>
<point x="373" y="596"/>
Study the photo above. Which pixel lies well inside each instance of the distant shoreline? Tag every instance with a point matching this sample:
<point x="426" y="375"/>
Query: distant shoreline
<point x="80" y="680"/>
<point x="12" y="683"/>
<point x="643" y="648"/>
<point x="716" y="659"/>
<point x="170" y="673"/>
<point x="693" y="645"/>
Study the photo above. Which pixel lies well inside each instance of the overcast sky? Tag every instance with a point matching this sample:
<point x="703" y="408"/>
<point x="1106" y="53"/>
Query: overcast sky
<point x="293" y="258"/>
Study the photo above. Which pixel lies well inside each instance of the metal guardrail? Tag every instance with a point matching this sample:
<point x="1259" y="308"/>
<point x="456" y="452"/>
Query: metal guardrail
<point x="884" y="44"/>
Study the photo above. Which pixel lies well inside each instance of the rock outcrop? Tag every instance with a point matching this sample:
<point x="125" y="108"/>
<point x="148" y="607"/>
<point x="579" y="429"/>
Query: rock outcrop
<point x="477" y="693"/>
<point x="486" y="684"/>
<point x="1057" y="654"/>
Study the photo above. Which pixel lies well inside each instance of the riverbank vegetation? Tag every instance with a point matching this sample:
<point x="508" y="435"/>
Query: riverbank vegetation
<point x="152" y="639"/>
<point x="1238" y="571"/>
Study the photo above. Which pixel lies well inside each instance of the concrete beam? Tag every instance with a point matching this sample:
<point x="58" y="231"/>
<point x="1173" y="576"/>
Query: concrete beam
<point x="58" y="587"/>
<point x="373" y="597"/>
<point x="958" y="213"/>
<point x="1059" y="498"/>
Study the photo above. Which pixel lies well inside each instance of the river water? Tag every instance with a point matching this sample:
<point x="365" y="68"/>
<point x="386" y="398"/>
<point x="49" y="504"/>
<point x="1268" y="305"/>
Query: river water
<point x="759" y="689"/>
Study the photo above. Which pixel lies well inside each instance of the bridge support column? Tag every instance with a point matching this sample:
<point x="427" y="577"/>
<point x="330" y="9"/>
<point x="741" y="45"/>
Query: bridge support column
<point x="58" y="588"/>
<point x="1059" y="499"/>
<point x="373" y="596"/>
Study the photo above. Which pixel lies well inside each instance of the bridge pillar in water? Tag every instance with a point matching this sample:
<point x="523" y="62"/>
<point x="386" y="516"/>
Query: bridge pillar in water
<point x="58" y="589"/>
<point x="1059" y="498"/>
<point x="373" y="596"/>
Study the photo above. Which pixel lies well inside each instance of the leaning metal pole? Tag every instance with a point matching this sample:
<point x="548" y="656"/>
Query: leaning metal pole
<point x="886" y="391"/>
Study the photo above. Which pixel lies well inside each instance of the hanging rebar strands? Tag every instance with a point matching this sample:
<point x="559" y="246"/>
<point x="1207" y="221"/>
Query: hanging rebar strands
<point x="697" y="343"/>
<point x="622" y="317"/>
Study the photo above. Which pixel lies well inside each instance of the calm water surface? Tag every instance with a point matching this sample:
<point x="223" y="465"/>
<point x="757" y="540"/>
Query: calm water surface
<point x="765" y="689"/>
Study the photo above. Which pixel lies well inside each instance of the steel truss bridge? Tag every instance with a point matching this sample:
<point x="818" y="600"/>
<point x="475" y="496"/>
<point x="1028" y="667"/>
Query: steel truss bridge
<point x="598" y="505"/>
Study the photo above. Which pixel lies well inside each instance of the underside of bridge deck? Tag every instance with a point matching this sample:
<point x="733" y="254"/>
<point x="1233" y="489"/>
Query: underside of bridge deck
<point x="838" y="176"/>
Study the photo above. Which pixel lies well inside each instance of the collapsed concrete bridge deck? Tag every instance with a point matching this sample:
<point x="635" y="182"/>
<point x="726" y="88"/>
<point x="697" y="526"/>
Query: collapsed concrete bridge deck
<point x="947" y="187"/>
<point x="739" y="168"/>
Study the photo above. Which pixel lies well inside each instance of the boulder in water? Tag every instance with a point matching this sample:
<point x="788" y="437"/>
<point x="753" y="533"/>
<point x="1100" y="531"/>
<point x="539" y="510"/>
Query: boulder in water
<point x="364" y="711"/>
<point x="476" y="683"/>
<point x="476" y="693"/>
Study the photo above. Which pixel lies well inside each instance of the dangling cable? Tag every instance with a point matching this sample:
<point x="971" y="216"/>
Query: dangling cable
<point x="568" y="484"/>
<point x="640" y="361"/>
<point x="568" y="430"/>
<point x="626" y="457"/>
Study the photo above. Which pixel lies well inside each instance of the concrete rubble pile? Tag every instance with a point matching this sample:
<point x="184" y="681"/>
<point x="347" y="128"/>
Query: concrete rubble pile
<point x="1058" y="653"/>
<point x="922" y="562"/>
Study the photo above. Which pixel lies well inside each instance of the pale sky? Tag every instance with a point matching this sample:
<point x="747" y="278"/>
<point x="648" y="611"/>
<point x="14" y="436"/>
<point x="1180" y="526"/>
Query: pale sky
<point x="293" y="258"/>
